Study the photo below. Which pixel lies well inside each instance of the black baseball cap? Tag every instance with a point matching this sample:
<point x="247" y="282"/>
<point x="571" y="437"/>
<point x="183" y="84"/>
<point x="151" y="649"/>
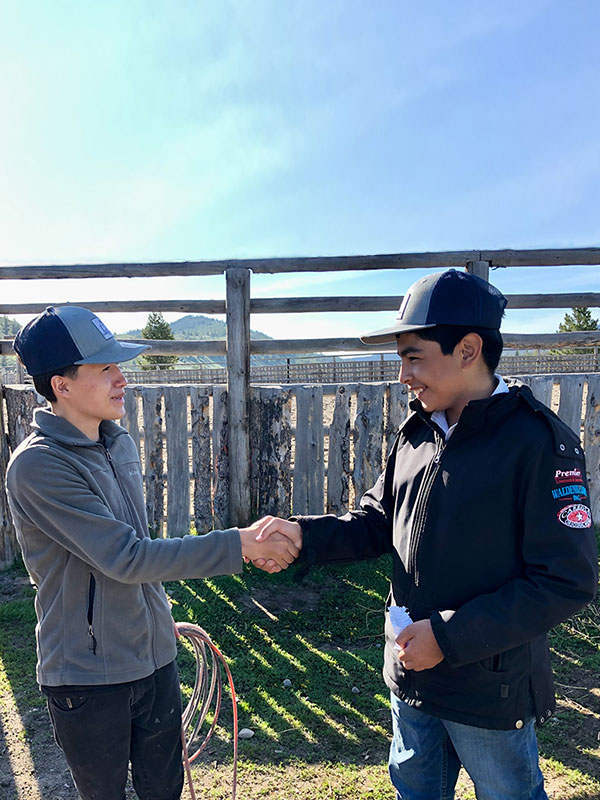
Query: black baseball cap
<point x="59" y="337"/>
<point x="445" y="298"/>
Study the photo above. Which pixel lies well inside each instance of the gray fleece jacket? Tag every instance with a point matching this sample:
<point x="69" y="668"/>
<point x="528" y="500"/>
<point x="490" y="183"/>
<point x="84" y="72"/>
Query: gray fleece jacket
<point x="78" y="508"/>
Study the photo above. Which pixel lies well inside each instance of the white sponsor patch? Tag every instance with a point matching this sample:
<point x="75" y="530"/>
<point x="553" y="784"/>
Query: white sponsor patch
<point x="575" y="516"/>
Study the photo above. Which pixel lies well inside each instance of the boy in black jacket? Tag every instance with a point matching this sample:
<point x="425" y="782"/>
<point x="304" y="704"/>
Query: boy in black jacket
<point x="484" y="507"/>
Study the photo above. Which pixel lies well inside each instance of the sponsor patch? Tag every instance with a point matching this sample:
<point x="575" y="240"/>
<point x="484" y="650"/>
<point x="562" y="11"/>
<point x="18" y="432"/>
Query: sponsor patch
<point x="568" y="476"/>
<point x="575" y="516"/>
<point x="576" y="491"/>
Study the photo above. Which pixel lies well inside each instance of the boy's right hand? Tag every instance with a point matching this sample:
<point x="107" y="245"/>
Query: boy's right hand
<point x="272" y="552"/>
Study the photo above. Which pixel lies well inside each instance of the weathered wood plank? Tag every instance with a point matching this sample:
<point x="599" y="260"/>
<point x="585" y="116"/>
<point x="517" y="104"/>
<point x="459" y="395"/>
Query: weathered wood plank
<point x="569" y="406"/>
<point x="397" y="410"/>
<point x="338" y="464"/>
<point x="271" y="453"/>
<point x="479" y="268"/>
<point x="178" y="461"/>
<point x="21" y="402"/>
<point x="220" y="449"/>
<point x="541" y="386"/>
<point x="309" y="475"/>
<point x="201" y="457"/>
<point x="457" y="258"/>
<point x="559" y="257"/>
<point x="123" y="306"/>
<point x="153" y="457"/>
<point x="368" y="442"/>
<point x="238" y="390"/>
<point x="8" y="539"/>
<point x="296" y="305"/>
<point x="528" y="341"/>
<point x="592" y="442"/>
<point x="130" y="420"/>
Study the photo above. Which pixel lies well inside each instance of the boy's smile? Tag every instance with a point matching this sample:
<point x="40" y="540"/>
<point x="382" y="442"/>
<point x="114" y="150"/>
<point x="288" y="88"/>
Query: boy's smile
<point x="443" y="382"/>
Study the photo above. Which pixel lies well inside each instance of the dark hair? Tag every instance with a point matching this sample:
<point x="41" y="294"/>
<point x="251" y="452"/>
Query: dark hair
<point x="448" y="336"/>
<point x="42" y="382"/>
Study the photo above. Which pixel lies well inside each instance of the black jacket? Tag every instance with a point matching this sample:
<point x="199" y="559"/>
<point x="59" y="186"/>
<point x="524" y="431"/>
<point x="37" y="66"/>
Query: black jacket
<point x="493" y="525"/>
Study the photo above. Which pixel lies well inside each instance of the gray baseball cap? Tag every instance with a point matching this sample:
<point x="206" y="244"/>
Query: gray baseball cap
<point x="59" y="337"/>
<point x="445" y="298"/>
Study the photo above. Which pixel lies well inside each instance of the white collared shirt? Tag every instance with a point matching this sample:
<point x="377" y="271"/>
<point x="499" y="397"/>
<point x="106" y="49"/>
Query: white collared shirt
<point x="439" y="417"/>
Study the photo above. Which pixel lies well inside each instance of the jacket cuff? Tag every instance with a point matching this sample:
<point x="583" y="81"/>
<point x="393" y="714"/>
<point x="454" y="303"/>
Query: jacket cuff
<point x="438" y="627"/>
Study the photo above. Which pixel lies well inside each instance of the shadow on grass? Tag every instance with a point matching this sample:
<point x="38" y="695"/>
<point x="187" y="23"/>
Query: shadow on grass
<point x="20" y="693"/>
<point x="323" y="638"/>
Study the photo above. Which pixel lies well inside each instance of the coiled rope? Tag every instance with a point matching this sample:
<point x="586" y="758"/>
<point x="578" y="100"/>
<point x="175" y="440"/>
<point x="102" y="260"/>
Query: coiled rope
<point x="208" y="682"/>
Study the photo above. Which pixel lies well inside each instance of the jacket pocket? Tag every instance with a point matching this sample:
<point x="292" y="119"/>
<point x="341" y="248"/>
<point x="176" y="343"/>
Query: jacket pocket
<point x="92" y="643"/>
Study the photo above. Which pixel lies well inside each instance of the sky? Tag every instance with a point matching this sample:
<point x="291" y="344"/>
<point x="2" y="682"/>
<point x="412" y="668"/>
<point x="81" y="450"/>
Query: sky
<point x="170" y="130"/>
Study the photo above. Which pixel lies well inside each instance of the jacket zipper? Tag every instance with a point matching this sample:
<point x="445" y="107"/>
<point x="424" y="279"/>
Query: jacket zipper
<point x="420" y="515"/>
<point x="92" y="643"/>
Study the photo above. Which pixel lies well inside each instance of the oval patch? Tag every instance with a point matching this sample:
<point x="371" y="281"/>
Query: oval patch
<point x="575" y="516"/>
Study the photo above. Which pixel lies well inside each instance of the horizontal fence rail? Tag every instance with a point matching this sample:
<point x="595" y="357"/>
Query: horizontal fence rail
<point x="297" y="305"/>
<point x="584" y="256"/>
<point x="237" y="403"/>
<point x="313" y="448"/>
<point x="207" y="347"/>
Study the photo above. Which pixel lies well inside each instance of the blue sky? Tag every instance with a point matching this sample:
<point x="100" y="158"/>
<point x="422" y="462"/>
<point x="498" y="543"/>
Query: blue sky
<point x="162" y="130"/>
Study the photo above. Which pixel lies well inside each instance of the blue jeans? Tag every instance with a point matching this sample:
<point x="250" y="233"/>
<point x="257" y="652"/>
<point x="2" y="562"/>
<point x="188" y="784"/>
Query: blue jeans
<point x="427" y="752"/>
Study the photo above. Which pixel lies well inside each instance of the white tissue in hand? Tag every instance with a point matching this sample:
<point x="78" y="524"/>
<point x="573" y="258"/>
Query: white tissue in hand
<point x="400" y="618"/>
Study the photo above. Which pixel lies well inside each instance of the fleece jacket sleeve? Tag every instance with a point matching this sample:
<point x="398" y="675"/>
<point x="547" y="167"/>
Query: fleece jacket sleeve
<point x="51" y="498"/>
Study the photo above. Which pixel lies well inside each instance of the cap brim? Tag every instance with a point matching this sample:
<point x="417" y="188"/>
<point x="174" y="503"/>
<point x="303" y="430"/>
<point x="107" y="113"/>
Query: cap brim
<point x="388" y="335"/>
<point x="115" y="353"/>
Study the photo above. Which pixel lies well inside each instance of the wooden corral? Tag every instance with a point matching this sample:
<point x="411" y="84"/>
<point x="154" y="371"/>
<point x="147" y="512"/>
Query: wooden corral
<point x="313" y="448"/>
<point x="250" y="450"/>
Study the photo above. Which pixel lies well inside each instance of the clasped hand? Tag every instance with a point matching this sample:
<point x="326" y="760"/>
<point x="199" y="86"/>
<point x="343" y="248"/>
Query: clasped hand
<point x="271" y="543"/>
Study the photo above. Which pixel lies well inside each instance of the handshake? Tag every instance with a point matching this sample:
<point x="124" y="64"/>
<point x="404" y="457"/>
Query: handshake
<point x="271" y="543"/>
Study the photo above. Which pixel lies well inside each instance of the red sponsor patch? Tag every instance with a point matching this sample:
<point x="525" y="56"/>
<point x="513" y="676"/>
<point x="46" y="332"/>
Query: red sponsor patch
<point x="568" y="476"/>
<point x="575" y="516"/>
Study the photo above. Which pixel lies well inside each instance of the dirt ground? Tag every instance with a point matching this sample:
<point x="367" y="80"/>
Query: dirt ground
<point x="32" y="766"/>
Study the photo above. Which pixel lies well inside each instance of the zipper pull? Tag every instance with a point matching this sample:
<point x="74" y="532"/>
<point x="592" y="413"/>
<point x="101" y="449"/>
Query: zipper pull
<point x="92" y="640"/>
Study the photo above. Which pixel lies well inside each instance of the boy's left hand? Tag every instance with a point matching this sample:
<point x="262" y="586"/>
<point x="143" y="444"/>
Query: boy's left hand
<point x="419" y="649"/>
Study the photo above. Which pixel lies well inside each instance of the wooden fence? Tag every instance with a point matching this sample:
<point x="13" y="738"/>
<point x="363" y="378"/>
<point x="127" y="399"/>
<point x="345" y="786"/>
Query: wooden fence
<point x="238" y="305"/>
<point x="313" y="448"/>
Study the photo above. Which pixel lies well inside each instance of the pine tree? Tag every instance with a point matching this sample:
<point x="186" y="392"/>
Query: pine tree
<point x="157" y="327"/>
<point x="579" y="320"/>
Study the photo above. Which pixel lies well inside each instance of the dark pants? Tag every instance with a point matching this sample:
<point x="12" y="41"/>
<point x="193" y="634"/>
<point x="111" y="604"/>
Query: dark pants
<point x="102" y="729"/>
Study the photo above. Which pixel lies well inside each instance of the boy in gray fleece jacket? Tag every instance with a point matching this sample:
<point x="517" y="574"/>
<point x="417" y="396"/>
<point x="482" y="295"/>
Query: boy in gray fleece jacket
<point x="105" y="636"/>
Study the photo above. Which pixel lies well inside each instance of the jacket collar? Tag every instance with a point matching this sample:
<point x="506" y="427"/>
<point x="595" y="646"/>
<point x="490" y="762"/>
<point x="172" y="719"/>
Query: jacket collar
<point x="477" y="413"/>
<point x="61" y="430"/>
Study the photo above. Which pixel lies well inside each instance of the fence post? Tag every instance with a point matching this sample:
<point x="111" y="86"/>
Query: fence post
<point x="479" y="268"/>
<point x="238" y="392"/>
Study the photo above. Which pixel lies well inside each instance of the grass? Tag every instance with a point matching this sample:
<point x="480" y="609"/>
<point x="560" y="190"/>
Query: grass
<point x="326" y="734"/>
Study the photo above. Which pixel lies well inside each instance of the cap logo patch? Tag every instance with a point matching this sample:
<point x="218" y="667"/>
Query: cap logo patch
<point x="102" y="328"/>
<point x="403" y="306"/>
<point x="575" y="516"/>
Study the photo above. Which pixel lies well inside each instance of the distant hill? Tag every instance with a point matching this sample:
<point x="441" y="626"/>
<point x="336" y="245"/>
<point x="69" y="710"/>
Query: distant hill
<point x="198" y="327"/>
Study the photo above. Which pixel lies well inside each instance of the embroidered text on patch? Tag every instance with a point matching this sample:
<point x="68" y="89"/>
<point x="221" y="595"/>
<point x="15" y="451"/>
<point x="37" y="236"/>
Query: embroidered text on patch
<point x="568" y="476"/>
<point x="575" y="516"/>
<point x="575" y="490"/>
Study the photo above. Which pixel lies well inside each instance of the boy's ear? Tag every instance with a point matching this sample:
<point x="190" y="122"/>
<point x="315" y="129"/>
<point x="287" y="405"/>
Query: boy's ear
<point x="60" y="386"/>
<point x="471" y="347"/>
